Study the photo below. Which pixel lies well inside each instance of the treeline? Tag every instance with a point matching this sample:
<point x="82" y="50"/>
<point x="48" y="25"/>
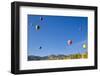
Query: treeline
<point x="59" y="57"/>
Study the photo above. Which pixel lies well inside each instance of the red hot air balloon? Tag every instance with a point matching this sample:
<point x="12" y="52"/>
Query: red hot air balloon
<point x="69" y="42"/>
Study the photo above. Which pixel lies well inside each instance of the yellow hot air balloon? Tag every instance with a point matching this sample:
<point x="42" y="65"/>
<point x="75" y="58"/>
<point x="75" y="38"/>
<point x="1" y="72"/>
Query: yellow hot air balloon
<point x="84" y="46"/>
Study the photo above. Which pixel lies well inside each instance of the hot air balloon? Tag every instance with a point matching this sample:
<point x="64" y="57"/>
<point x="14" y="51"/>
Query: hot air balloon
<point x="41" y="18"/>
<point x="40" y="47"/>
<point x="37" y="27"/>
<point x="69" y="42"/>
<point x="84" y="46"/>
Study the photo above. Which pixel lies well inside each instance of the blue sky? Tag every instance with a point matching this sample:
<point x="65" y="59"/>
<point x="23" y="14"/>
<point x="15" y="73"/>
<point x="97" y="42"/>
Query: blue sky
<point x="54" y="33"/>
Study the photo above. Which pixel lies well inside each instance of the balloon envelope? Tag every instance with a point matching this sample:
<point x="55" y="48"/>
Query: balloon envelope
<point x="40" y="47"/>
<point x="37" y="27"/>
<point x="69" y="42"/>
<point x="84" y="46"/>
<point x="41" y="18"/>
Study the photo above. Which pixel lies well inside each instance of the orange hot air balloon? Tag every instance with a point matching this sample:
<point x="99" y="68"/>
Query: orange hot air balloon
<point x="69" y="42"/>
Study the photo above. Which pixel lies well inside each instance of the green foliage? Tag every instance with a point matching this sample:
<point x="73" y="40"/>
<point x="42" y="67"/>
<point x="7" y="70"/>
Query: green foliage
<point x="59" y="57"/>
